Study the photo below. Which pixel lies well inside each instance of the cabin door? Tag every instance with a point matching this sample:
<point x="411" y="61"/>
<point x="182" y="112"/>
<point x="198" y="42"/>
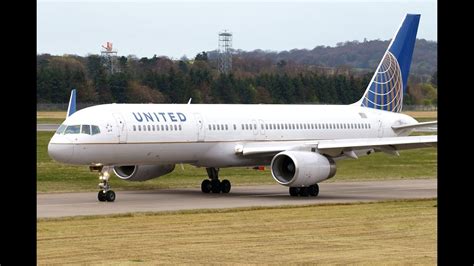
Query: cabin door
<point x="200" y="127"/>
<point x="121" y="128"/>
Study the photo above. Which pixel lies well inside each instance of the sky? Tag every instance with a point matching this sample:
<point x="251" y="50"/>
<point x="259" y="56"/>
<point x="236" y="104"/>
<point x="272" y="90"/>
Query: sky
<point x="187" y="27"/>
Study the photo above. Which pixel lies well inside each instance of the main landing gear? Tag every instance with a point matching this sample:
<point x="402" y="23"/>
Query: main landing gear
<point x="105" y="193"/>
<point x="312" y="190"/>
<point x="213" y="184"/>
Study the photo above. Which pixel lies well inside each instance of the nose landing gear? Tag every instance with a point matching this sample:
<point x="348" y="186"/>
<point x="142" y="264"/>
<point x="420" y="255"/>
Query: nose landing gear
<point x="105" y="193"/>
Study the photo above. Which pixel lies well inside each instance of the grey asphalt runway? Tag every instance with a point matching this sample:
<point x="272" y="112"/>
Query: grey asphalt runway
<point x="74" y="204"/>
<point x="46" y="127"/>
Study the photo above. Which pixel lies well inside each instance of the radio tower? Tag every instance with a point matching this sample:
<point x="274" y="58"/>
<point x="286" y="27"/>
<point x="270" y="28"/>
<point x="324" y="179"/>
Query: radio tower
<point x="224" y="60"/>
<point x="109" y="57"/>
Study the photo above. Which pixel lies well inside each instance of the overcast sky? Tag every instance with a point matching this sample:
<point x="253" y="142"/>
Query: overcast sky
<point x="144" y="28"/>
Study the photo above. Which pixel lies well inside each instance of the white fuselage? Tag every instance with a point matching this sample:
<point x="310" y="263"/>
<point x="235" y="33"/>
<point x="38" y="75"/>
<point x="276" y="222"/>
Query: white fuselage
<point x="207" y="135"/>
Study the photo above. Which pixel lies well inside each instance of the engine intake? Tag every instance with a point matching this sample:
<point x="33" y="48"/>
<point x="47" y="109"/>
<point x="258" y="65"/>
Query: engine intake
<point x="301" y="168"/>
<point x="142" y="172"/>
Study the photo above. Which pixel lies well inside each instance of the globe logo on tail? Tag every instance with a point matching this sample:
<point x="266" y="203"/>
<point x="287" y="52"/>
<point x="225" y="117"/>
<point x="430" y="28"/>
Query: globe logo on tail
<point x="386" y="89"/>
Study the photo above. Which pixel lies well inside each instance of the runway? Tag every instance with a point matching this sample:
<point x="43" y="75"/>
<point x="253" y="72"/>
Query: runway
<point x="74" y="204"/>
<point x="46" y="127"/>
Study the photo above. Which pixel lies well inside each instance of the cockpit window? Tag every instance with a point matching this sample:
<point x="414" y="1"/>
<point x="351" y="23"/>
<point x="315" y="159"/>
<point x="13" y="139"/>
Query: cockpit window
<point x="95" y="130"/>
<point x="72" y="129"/>
<point x="60" y="129"/>
<point x="86" y="129"/>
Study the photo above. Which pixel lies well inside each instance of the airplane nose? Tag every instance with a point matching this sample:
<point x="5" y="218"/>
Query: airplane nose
<point x="61" y="152"/>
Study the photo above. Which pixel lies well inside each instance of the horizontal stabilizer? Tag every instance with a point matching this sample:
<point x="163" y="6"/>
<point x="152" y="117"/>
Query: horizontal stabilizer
<point x="413" y="126"/>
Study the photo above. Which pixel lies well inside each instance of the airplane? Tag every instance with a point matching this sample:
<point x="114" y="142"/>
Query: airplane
<point x="300" y="143"/>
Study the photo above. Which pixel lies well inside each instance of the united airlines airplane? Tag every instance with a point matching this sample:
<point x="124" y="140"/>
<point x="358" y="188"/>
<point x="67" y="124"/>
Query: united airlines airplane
<point x="301" y="143"/>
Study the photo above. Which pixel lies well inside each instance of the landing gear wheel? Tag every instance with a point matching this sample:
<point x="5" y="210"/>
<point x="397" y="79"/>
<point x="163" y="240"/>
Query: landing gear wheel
<point x="216" y="186"/>
<point x="101" y="196"/>
<point x="313" y="190"/>
<point x="206" y="186"/>
<point x="225" y="186"/>
<point x="304" y="192"/>
<point x="294" y="191"/>
<point x="105" y="194"/>
<point x="110" y="195"/>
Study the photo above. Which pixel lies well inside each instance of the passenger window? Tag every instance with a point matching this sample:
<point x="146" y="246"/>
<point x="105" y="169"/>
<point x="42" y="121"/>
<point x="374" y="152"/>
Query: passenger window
<point x="235" y="127"/>
<point x="153" y="127"/>
<point x="157" y="127"/>
<point x="73" y="129"/>
<point x="86" y="129"/>
<point x="171" y="127"/>
<point x="139" y="128"/>
<point x="61" y="129"/>
<point x="175" y="127"/>
<point x="226" y="127"/>
<point x="149" y="128"/>
<point x="134" y="128"/>
<point x="95" y="130"/>
<point x="166" y="127"/>
<point x="180" y="128"/>
<point x="162" y="128"/>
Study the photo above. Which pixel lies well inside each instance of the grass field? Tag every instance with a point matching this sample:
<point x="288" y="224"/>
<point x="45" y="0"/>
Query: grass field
<point x="52" y="117"/>
<point x="376" y="233"/>
<point x="55" y="177"/>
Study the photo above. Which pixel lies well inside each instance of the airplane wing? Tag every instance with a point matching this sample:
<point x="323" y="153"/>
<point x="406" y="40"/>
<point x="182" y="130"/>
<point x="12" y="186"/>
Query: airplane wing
<point x="338" y="147"/>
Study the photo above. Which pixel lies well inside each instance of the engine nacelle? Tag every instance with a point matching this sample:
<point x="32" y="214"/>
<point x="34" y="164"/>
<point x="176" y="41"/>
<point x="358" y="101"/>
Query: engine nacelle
<point x="301" y="168"/>
<point x="142" y="172"/>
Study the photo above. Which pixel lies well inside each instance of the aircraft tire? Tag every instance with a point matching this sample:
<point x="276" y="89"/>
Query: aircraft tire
<point x="216" y="186"/>
<point x="304" y="192"/>
<point x="294" y="191"/>
<point x="110" y="196"/>
<point x="206" y="186"/>
<point x="101" y="196"/>
<point x="225" y="186"/>
<point x="313" y="190"/>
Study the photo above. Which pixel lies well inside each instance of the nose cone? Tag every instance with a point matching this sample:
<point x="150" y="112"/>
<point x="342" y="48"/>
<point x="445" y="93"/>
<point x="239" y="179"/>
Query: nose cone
<point x="61" y="152"/>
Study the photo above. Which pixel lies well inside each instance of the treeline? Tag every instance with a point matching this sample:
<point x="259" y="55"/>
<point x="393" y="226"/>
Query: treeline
<point x="162" y="80"/>
<point x="362" y="55"/>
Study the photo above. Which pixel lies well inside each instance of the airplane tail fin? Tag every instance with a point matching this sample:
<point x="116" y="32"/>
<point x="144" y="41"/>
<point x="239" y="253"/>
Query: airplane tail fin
<point x="71" y="109"/>
<point x="385" y="90"/>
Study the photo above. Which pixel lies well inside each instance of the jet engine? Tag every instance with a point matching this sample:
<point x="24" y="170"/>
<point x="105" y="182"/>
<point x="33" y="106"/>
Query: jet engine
<point x="301" y="168"/>
<point x="142" y="172"/>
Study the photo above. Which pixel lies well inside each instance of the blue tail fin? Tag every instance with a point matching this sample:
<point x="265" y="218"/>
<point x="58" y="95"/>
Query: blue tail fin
<point x="71" y="109"/>
<point x="386" y="89"/>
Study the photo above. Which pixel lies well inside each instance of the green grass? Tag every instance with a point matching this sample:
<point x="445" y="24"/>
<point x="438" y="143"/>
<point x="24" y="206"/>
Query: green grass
<point x="49" y="120"/>
<point x="399" y="232"/>
<point x="56" y="177"/>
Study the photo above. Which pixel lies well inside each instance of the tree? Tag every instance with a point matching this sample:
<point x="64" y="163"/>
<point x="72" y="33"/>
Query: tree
<point x="201" y="57"/>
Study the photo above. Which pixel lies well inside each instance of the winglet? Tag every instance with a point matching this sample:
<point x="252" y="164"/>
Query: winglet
<point x="71" y="109"/>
